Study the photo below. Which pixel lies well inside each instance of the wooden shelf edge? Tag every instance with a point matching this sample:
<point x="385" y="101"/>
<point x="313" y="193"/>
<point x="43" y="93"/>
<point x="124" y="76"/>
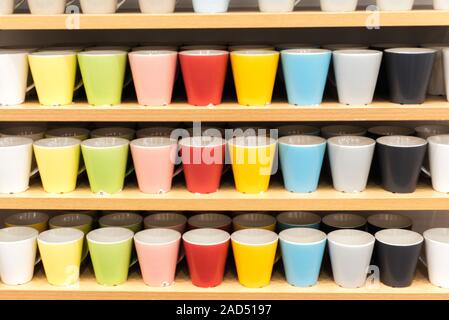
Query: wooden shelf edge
<point x="230" y="20"/>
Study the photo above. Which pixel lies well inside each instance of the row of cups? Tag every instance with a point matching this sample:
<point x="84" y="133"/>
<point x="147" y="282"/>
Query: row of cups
<point x="254" y="247"/>
<point x="201" y="6"/>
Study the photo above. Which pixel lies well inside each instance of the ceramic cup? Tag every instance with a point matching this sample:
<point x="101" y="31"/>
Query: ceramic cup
<point x="8" y="6"/>
<point x="356" y="73"/>
<point x="68" y="132"/>
<point x="16" y="155"/>
<point x="58" y="162"/>
<point x="440" y="4"/>
<point x="103" y="73"/>
<point x="32" y="132"/>
<point x="278" y="5"/>
<point x="302" y="254"/>
<point x="130" y="221"/>
<point x="153" y="73"/>
<point x="305" y="72"/>
<point x="204" y="73"/>
<point x="437" y="84"/>
<point x="429" y="130"/>
<point x="32" y="219"/>
<point x="46" y="7"/>
<point x="118" y="132"/>
<point x="340" y="221"/>
<point x="210" y="220"/>
<point x="203" y="161"/>
<point x="100" y="6"/>
<point x="437" y="256"/>
<point x="166" y="220"/>
<point x="254" y="221"/>
<point x="54" y="74"/>
<point x="165" y="132"/>
<point x="338" y="6"/>
<point x="61" y="251"/>
<point x="298" y="130"/>
<point x="157" y="6"/>
<point x="395" y="5"/>
<point x="301" y="159"/>
<point x="342" y="130"/>
<point x="14" y="76"/>
<point x="297" y="219"/>
<point x="105" y="160"/>
<point x="157" y="250"/>
<point x="254" y="75"/>
<point x="18" y="252"/>
<point x="210" y="6"/>
<point x="154" y="161"/>
<point x="382" y="131"/>
<point x="254" y="254"/>
<point x="397" y="254"/>
<point x="350" y="254"/>
<point x="400" y="161"/>
<point x="110" y="251"/>
<point x="382" y="221"/>
<point x="350" y="160"/>
<point x="253" y="161"/>
<point x="409" y="71"/>
<point x="206" y="253"/>
<point x="438" y="159"/>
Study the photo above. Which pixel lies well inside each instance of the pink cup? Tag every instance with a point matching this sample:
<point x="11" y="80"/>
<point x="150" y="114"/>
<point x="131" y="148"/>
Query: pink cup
<point x="157" y="251"/>
<point x="154" y="75"/>
<point x="154" y="161"/>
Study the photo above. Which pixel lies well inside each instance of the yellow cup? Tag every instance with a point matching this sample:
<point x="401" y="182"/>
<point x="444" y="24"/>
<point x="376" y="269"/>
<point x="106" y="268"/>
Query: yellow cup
<point x="254" y="75"/>
<point x="54" y="75"/>
<point x="254" y="254"/>
<point x="58" y="162"/>
<point x="61" y="250"/>
<point x="252" y="162"/>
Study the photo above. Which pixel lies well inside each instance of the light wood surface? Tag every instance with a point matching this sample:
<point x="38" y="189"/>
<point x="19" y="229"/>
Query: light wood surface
<point x="276" y="199"/>
<point x="242" y="19"/>
<point x="134" y="288"/>
<point x="433" y="109"/>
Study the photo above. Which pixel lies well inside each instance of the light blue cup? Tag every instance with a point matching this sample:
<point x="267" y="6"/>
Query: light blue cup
<point x="305" y="73"/>
<point x="302" y="254"/>
<point x="210" y="6"/>
<point x="297" y="219"/>
<point x="301" y="160"/>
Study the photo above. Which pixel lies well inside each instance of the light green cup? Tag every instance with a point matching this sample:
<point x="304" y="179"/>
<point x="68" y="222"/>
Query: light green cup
<point x="105" y="160"/>
<point x="110" y="252"/>
<point x="103" y="73"/>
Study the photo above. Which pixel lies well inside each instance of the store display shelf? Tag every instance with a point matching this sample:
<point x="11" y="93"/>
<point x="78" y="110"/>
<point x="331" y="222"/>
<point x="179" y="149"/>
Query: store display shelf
<point x="363" y="17"/>
<point x="228" y="199"/>
<point x="433" y="109"/>
<point x="135" y="289"/>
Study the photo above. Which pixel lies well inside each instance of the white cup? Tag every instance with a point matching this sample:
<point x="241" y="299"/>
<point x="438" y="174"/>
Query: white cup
<point x="210" y="6"/>
<point x="437" y="256"/>
<point x="157" y="6"/>
<point x="441" y="4"/>
<point x="46" y="7"/>
<point x="16" y="156"/>
<point x="439" y="162"/>
<point x="350" y="252"/>
<point x="8" y="6"/>
<point x="356" y="73"/>
<point x="395" y="5"/>
<point x="13" y="77"/>
<point x="18" y="248"/>
<point x="100" y="6"/>
<point x="278" y="5"/>
<point x="339" y="5"/>
<point x="350" y="160"/>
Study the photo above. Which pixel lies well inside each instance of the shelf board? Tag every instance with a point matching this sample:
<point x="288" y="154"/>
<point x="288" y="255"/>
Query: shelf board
<point x="228" y="199"/>
<point x="230" y="20"/>
<point x="230" y="289"/>
<point x="433" y="109"/>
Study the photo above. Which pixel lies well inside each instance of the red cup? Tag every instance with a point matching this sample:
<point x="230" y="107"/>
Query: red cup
<point x="204" y="73"/>
<point x="206" y="253"/>
<point x="203" y="158"/>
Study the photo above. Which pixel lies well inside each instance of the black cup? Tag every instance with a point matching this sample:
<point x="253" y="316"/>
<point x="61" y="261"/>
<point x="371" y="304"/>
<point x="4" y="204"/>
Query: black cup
<point x="397" y="254"/>
<point x="382" y="221"/>
<point x="338" y="221"/>
<point x="400" y="161"/>
<point x="408" y="73"/>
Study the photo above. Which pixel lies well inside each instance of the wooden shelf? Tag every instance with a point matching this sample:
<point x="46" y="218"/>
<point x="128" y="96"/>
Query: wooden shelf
<point x="228" y="199"/>
<point x="231" y="20"/>
<point x="135" y="289"/>
<point x="434" y="109"/>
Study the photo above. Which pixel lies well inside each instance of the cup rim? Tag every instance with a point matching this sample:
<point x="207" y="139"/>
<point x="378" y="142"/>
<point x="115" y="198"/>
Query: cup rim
<point x="5" y="51"/>
<point x="436" y="140"/>
<point x="389" y="141"/>
<point x="129" y="235"/>
<point x="314" y="141"/>
<point x="399" y="232"/>
<point x="280" y="218"/>
<point x="357" y="52"/>
<point x="54" y="133"/>
<point x="165" y="142"/>
<point x="16" y="141"/>
<point x="223" y="233"/>
<point x="155" y="48"/>
<point x="67" y="142"/>
<point x="54" y="221"/>
<point x="150" y="53"/>
<point x="246" y="47"/>
<point x="424" y="128"/>
<point x="273" y="235"/>
<point x="350" y="130"/>
<point x="102" y="52"/>
<point x="283" y="234"/>
<point x="365" y="142"/>
<point x="255" y="52"/>
<point x="223" y="220"/>
<point x="182" y="219"/>
<point x="242" y="221"/>
<point x="306" y="51"/>
<point x="429" y="237"/>
<point x="116" y="141"/>
<point x="32" y="236"/>
<point x="376" y="130"/>
<point x="370" y="239"/>
<point x="268" y="141"/>
<point x="19" y="131"/>
<point x="190" y="47"/>
<point x="203" y="52"/>
<point x="52" y="53"/>
<point x="344" y="46"/>
<point x="197" y="142"/>
<point x="78" y="233"/>
<point x="410" y="50"/>
<point x="165" y="230"/>
<point x="361" y="220"/>
<point x="407" y="222"/>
